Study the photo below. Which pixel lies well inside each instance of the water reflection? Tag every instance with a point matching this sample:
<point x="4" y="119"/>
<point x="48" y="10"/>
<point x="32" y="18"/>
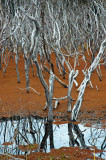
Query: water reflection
<point x="16" y="131"/>
<point x="48" y="133"/>
<point x="80" y="136"/>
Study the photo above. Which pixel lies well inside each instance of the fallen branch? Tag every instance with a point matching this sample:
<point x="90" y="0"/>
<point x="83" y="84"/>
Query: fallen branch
<point x="58" y="99"/>
<point x="30" y="88"/>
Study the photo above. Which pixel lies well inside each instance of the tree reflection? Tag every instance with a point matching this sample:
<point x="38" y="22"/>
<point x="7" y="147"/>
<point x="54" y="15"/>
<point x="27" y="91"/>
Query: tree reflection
<point x="79" y="134"/>
<point x="48" y="132"/>
<point x="18" y="131"/>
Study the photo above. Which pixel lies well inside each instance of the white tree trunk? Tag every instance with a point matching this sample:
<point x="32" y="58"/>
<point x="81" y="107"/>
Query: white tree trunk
<point x="70" y="85"/>
<point x="16" y="62"/>
<point x="43" y="82"/>
<point x="50" y="97"/>
<point x="27" y="66"/>
<point x="84" y="83"/>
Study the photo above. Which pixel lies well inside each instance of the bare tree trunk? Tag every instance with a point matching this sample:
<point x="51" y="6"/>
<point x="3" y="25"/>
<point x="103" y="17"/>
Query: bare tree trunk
<point x="84" y="83"/>
<point x="104" y="60"/>
<point x="63" y="84"/>
<point x="16" y="62"/>
<point x="32" y="69"/>
<point x="70" y="85"/>
<point x="0" y="61"/>
<point x="58" y="58"/>
<point x="43" y="82"/>
<point x="58" y="66"/>
<point x="98" y="73"/>
<point x="0" y="34"/>
<point x="27" y="66"/>
<point x="50" y="97"/>
<point x="43" y="38"/>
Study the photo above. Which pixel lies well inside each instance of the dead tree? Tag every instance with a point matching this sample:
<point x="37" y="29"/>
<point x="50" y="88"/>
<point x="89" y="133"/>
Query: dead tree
<point x="41" y="27"/>
<point x="70" y="85"/>
<point x="15" y="44"/>
<point x="50" y="97"/>
<point x="16" y="61"/>
<point x="27" y="66"/>
<point x="84" y="83"/>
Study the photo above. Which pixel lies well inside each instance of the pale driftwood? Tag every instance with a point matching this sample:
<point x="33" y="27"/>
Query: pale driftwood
<point x="63" y="84"/>
<point x="50" y="97"/>
<point x="84" y="83"/>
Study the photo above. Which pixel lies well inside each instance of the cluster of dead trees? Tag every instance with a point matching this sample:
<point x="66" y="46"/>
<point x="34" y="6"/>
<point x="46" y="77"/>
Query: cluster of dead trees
<point x="68" y="28"/>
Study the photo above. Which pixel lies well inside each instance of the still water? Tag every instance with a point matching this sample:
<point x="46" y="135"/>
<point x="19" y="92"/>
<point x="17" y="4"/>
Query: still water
<point x="30" y="130"/>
